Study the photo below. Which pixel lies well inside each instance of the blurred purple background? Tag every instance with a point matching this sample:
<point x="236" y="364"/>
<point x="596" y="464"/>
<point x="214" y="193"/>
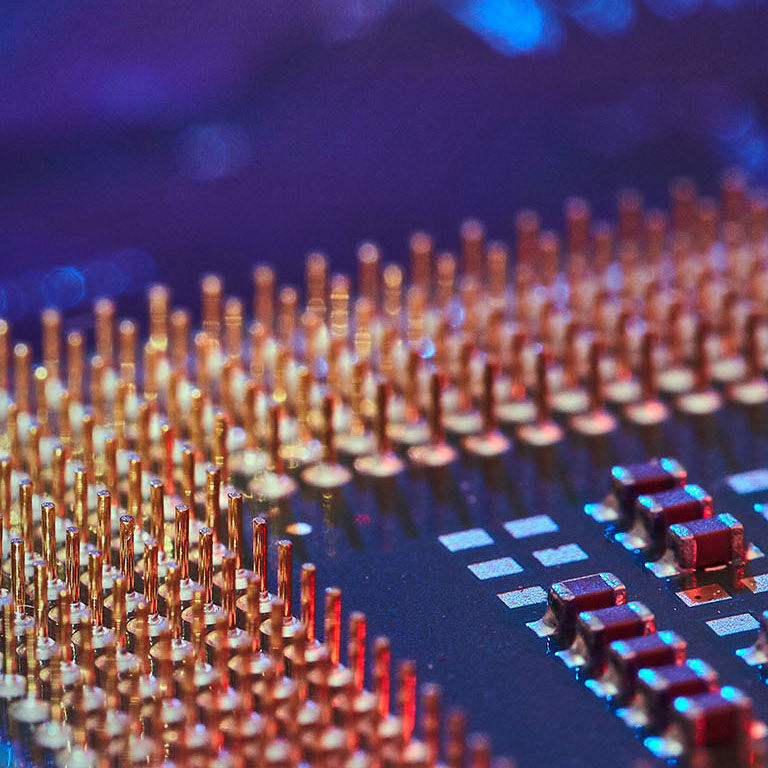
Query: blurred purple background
<point x="156" y="140"/>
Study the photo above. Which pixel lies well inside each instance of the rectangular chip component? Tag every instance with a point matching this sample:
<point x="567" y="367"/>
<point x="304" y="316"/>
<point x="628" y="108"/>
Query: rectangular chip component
<point x="714" y="718"/>
<point x="633" y="480"/>
<point x="567" y="599"/>
<point x="703" y="543"/>
<point x="596" y="630"/>
<point x="627" y="657"/>
<point x="658" y="687"/>
<point x="658" y="511"/>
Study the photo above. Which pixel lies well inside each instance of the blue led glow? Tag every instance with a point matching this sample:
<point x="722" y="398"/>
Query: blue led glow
<point x="730" y="693"/>
<point x="64" y="287"/>
<point x="681" y="704"/>
<point x="511" y="26"/>
<point x="695" y="491"/>
<point x="647" y="675"/>
<point x="603" y="17"/>
<point x="668" y="465"/>
<point x="698" y="666"/>
<point x="619" y="472"/>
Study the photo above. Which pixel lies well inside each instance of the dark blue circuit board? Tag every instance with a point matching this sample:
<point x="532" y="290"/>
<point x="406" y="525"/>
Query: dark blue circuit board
<point x="380" y="542"/>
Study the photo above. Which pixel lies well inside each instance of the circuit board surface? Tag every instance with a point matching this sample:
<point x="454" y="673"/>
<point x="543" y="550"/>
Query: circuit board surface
<point x="372" y="437"/>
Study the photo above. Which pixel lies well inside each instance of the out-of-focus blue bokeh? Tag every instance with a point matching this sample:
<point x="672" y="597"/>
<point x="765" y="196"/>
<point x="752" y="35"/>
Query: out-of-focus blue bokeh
<point x="155" y="140"/>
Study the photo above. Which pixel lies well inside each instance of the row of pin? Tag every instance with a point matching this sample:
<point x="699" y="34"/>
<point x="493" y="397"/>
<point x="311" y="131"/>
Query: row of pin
<point x="199" y="681"/>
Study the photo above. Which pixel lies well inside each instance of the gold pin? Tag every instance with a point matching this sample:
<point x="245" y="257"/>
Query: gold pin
<point x="649" y="409"/>
<point x="368" y="265"/>
<point x="436" y="453"/>
<point x="211" y="611"/>
<point x="498" y="256"/>
<point x="78" y="609"/>
<point x="128" y="341"/>
<point x="316" y="273"/>
<point x="188" y="477"/>
<point x="597" y="420"/>
<point x="287" y="625"/>
<point x="5" y="495"/>
<point x="235" y="538"/>
<point x="412" y="429"/>
<point x="104" y="329"/>
<point x="305" y="449"/>
<point x="22" y="360"/>
<point x="381" y="676"/>
<point x="135" y="505"/>
<point x="5" y="352"/>
<point x="625" y="388"/>
<point x="40" y="377"/>
<point x="34" y="462"/>
<point x="464" y="419"/>
<point x="180" y="648"/>
<point x="212" y="293"/>
<point x="407" y="698"/>
<point x="328" y="473"/>
<point x="392" y="279"/>
<point x="703" y="400"/>
<point x="40" y="571"/>
<point x="155" y="623"/>
<point x="445" y="275"/>
<point x="26" y="523"/>
<point x="19" y="585"/>
<point x="48" y="532"/>
<point x="104" y="536"/>
<point x="109" y="472"/>
<point x="357" y="440"/>
<point x="260" y="564"/>
<point x="288" y="301"/>
<point x="274" y="484"/>
<point x="490" y="442"/>
<point x="213" y="509"/>
<point x="264" y="295"/>
<point x="544" y="431"/>
<point x="157" y="518"/>
<point x="130" y="598"/>
<point x="383" y="462"/>
<point x="232" y="636"/>
<point x="80" y="511"/>
<point x="179" y="339"/>
<point x="571" y="398"/>
<point x="75" y="365"/>
<point x="220" y="449"/>
<point x="753" y="390"/>
<point x="333" y="624"/>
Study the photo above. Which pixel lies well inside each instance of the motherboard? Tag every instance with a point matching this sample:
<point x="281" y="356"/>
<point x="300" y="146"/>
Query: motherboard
<point x="503" y="505"/>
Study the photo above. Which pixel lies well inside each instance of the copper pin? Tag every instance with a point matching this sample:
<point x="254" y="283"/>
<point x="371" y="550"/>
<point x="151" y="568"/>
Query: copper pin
<point x="48" y="531"/>
<point x="96" y="587"/>
<point x="18" y="574"/>
<point x="26" y="523"/>
<point x="490" y="442"/>
<point x="437" y="453"/>
<point x="80" y="512"/>
<point x="753" y="390"/>
<point x="5" y="352"/>
<point x="22" y="360"/>
<point x="104" y="526"/>
<point x="704" y="400"/>
<point x="333" y="624"/>
<point x="597" y="420"/>
<point x="274" y="484"/>
<point x="383" y="462"/>
<point x="213" y="507"/>
<point x="264" y="294"/>
<point x="328" y="473"/>
<point x="649" y="409"/>
<point x="544" y="431"/>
